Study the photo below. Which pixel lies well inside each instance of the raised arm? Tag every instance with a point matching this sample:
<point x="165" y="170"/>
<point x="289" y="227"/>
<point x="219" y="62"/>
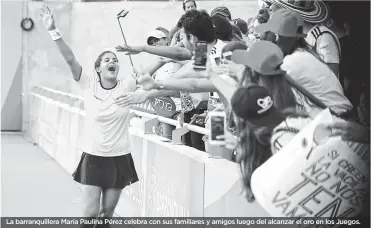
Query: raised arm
<point x="64" y="49"/>
<point x="151" y="69"/>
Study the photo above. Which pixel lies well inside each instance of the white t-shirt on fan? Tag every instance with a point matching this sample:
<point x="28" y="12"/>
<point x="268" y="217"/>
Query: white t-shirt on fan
<point x="106" y="125"/>
<point x="317" y="78"/>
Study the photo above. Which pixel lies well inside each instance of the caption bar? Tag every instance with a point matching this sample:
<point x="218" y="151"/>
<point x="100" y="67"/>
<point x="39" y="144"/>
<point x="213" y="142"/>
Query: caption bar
<point x="12" y="222"/>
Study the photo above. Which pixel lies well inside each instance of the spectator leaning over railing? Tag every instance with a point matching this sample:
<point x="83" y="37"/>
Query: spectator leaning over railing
<point x="319" y="28"/>
<point x="256" y="117"/>
<point x="203" y="27"/>
<point x="106" y="166"/>
<point x="262" y="67"/>
<point x="161" y="70"/>
<point x="315" y="85"/>
<point x="263" y="130"/>
<point x="285" y="28"/>
<point x="226" y="84"/>
<point x="197" y="26"/>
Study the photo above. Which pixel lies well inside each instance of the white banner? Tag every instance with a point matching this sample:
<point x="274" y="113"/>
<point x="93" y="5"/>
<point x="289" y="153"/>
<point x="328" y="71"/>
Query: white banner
<point x="326" y="180"/>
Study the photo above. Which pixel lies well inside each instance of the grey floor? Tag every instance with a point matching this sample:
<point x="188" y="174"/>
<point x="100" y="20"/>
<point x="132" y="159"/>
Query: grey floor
<point x="33" y="184"/>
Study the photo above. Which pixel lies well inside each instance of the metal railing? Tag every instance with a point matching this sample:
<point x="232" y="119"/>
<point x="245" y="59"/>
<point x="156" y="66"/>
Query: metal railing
<point x="138" y="112"/>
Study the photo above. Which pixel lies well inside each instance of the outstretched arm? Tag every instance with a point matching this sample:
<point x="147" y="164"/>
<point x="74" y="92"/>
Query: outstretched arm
<point x="65" y="50"/>
<point x="138" y="97"/>
<point x="154" y="67"/>
<point x="174" y="52"/>
<point x="189" y="85"/>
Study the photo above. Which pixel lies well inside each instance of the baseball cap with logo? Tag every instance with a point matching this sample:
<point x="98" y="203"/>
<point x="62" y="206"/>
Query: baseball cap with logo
<point x="255" y="105"/>
<point x="155" y="34"/>
<point x="222" y="11"/>
<point x="263" y="57"/>
<point x="283" y="22"/>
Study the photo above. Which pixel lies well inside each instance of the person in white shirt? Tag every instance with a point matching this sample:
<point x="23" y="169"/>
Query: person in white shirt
<point x="318" y="27"/>
<point x="326" y="44"/>
<point x="286" y="29"/>
<point x="106" y="166"/>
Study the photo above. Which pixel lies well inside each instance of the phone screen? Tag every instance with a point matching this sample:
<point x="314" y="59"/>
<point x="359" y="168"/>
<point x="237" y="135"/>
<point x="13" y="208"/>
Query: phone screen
<point x="217" y="126"/>
<point x="200" y="54"/>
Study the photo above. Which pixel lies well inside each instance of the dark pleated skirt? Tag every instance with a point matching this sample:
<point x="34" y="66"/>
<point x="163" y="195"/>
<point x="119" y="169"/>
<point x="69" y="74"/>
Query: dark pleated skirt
<point x="106" y="172"/>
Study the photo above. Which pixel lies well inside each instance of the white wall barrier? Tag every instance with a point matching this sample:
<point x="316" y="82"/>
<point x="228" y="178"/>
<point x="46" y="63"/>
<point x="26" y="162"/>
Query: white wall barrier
<point x="175" y="180"/>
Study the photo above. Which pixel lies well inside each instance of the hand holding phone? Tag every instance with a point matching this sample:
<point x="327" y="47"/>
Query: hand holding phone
<point x="217" y="127"/>
<point x="200" y="55"/>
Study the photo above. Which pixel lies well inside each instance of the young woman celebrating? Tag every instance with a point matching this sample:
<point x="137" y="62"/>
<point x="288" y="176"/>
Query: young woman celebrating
<point x="106" y="165"/>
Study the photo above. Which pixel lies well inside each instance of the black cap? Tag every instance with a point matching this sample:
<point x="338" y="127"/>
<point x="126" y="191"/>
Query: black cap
<point x="255" y="105"/>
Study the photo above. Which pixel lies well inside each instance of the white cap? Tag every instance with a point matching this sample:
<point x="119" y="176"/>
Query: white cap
<point x="156" y="34"/>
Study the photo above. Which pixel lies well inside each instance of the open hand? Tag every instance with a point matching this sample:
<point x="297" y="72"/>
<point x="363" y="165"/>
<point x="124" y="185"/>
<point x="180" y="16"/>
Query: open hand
<point x="350" y="131"/>
<point x="130" y="98"/>
<point x="129" y="50"/>
<point x="147" y="82"/>
<point x="234" y="70"/>
<point x="230" y="140"/>
<point x="47" y="18"/>
<point x="213" y="70"/>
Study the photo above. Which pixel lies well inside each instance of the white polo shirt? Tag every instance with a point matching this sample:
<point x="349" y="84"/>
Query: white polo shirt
<point x="106" y="126"/>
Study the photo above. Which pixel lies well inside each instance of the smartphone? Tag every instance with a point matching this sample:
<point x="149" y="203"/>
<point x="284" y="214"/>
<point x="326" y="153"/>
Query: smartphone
<point x="200" y="55"/>
<point x="217" y="127"/>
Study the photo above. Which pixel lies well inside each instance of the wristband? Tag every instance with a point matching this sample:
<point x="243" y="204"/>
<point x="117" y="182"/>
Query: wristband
<point x="55" y="34"/>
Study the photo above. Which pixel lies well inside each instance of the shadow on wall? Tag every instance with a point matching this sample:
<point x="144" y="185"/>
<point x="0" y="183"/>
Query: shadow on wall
<point x="90" y="28"/>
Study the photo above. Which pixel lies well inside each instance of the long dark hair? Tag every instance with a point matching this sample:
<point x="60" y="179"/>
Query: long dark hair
<point x="287" y="44"/>
<point x="281" y="92"/>
<point x="254" y="147"/>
